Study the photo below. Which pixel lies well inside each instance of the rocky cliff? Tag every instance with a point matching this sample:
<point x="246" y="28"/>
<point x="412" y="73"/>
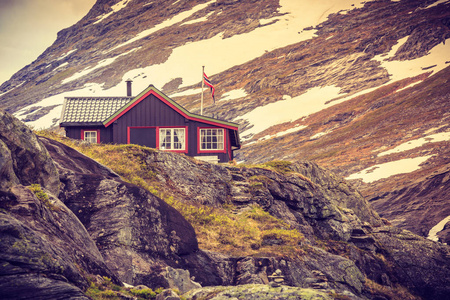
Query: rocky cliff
<point x="77" y="219"/>
<point x="341" y="82"/>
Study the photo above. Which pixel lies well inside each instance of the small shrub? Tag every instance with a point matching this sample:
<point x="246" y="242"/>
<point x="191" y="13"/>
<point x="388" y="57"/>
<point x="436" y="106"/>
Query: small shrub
<point x="279" y="166"/>
<point x="42" y="196"/>
<point x="144" y="293"/>
<point x="285" y="236"/>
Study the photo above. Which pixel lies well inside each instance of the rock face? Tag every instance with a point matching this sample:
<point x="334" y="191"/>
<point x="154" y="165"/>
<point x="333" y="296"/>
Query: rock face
<point x="136" y="232"/>
<point x="98" y="224"/>
<point x="45" y="251"/>
<point x="428" y="198"/>
<point x="323" y="207"/>
<point x="24" y="159"/>
<point x="259" y="292"/>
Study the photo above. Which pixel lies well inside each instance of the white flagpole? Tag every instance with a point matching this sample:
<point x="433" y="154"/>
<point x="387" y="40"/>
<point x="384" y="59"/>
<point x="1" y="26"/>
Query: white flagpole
<point x="203" y="83"/>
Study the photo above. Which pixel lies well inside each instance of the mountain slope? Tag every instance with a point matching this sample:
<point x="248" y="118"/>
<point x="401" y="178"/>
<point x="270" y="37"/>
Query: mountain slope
<point x="330" y="82"/>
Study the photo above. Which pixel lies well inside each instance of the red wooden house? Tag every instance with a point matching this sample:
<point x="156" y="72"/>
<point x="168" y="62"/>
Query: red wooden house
<point x="150" y="119"/>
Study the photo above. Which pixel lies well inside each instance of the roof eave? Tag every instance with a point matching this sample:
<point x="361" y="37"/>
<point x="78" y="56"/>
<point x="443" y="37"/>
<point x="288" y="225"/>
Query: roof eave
<point x="75" y="124"/>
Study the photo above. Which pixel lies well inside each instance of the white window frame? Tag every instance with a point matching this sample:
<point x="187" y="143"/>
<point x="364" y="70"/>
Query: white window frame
<point x="211" y="140"/>
<point x="90" y="136"/>
<point x="170" y="140"/>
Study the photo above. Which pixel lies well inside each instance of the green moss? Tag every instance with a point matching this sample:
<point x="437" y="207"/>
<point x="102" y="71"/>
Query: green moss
<point x="42" y="196"/>
<point x="279" y="166"/>
<point x="108" y="290"/>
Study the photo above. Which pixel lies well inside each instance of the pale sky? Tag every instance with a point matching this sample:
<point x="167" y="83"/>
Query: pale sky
<point x="28" y="27"/>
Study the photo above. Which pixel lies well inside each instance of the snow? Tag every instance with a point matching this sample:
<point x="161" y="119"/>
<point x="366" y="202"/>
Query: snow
<point x="61" y="66"/>
<point x="299" y="14"/>
<point x="434" y="138"/>
<point x="432" y="234"/>
<point x="233" y="94"/>
<point x="67" y="54"/>
<point x="280" y="112"/>
<point x="115" y="8"/>
<point x="230" y="95"/>
<point x="399" y="70"/>
<point x="101" y="64"/>
<point x="20" y="84"/>
<point x="436" y="3"/>
<point x="48" y="120"/>
<point x="281" y="133"/>
<point x="285" y="31"/>
<point x="167" y="23"/>
<point x="408" y="86"/>
<point x="319" y="135"/>
<point x="202" y="19"/>
<point x="187" y="92"/>
<point x="388" y="169"/>
<point x="289" y="109"/>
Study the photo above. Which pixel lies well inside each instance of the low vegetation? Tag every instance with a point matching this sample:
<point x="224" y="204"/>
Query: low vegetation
<point x="103" y="288"/>
<point x="252" y="231"/>
<point x="42" y="196"/>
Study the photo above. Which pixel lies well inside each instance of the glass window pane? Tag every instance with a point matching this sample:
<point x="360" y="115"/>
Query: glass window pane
<point x="212" y="139"/>
<point x="172" y="138"/>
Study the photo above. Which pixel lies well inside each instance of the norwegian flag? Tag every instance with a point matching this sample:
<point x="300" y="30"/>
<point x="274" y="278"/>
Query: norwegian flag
<point x="208" y="83"/>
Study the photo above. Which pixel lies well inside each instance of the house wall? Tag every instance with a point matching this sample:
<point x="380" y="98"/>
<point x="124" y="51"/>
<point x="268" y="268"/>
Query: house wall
<point x="153" y="112"/>
<point x="75" y="133"/>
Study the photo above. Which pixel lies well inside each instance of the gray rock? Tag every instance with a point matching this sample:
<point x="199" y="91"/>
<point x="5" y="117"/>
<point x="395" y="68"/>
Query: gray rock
<point x="180" y="279"/>
<point x="257" y="292"/>
<point x="167" y="295"/>
<point x="23" y="157"/>
<point x="137" y="233"/>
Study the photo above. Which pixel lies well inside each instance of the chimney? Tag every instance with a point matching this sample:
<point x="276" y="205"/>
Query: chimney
<point x="129" y="81"/>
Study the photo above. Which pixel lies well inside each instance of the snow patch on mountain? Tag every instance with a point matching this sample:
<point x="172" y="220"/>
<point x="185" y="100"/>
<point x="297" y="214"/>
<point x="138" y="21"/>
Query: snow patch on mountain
<point x="435" y="61"/>
<point x="53" y="116"/>
<point x="202" y="19"/>
<point x="432" y="234"/>
<point x="433" y="138"/>
<point x="115" y="8"/>
<point x="288" y="109"/>
<point x="281" y="133"/>
<point x="388" y="169"/>
<point x="101" y="64"/>
<point x="233" y="94"/>
<point x="284" y="32"/>
<point x="436" y="3"/>
<point x="167" y="23"/>
<point x="66" y="54"/>
<point x="187" y="93"/>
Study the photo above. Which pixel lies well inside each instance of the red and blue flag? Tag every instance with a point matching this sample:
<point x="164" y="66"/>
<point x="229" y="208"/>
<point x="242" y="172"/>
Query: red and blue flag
<point x="211" y="87"/>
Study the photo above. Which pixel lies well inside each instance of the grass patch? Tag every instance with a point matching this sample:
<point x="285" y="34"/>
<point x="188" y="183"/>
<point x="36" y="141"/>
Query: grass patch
<point x="42" y="196"/>
<point x="108" y="290"/>
<point x="279" y="166"/>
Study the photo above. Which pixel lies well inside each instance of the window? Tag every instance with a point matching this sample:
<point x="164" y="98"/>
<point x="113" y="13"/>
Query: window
<point x="172" y="139"/>
<point x="90" y="136"/>
<point x="211" y="139"/>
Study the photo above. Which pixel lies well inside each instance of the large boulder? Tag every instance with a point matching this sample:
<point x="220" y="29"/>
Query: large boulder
<point x="45" y="251"/>
<point x="138" y="234"/>
<point x="23" y="158"/>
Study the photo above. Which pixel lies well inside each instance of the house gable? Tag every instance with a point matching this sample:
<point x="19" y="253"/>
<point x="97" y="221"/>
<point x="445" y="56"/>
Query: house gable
<point x="151" y="90"/>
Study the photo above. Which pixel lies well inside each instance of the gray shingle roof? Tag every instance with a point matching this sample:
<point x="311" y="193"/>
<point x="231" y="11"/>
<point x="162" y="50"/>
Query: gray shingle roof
<point x="91" y="109"/>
